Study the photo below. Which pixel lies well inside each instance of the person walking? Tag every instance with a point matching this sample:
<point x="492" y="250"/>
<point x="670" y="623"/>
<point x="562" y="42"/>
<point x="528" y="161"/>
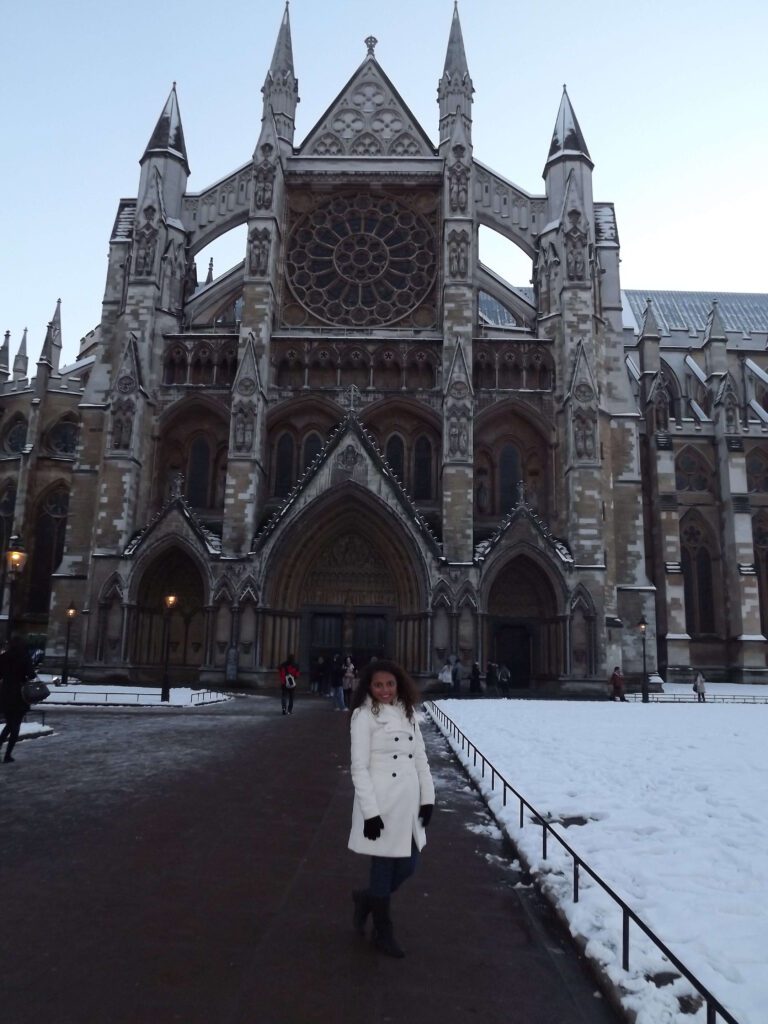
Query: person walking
<point x="700" y="688"/>
<point x="348" y="680"/>
<point x="15" y="669"/>
<point x="504" y="680"/>
<point x="617" y="684"/>
<point x="317" y="683"/>
<point x="289" y="676"/>
<point x="492" y="678"/>
<point x="337" y="683"/>
<point x="394" y="792"/>
<point x="474" y="680"/>
<point x="456" y="676"/>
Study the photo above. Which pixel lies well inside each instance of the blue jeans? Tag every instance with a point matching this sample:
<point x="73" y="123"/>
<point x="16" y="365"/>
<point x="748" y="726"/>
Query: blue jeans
<point x="389" y="873"/>
<point x="338" y="697"/>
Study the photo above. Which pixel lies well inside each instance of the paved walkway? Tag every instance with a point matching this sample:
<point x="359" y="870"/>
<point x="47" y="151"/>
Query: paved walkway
<point x="163" y="865"/>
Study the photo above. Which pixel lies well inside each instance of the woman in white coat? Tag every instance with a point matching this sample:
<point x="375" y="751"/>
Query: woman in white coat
<point x="394" y="792"/>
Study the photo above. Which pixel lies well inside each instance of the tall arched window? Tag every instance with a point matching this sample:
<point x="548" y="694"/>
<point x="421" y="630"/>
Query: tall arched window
<point x="692" y="471"/>
<point x="396" y="456"/>
<point x="509" y="476"/>
<point x="199" y="473"/>
<point x="760" y="541"/>
<point x="422" y="469"/>
<point x="284" y="466"/>
<point x="697" y="578"/>
<point x="50" y="527"/>
<point x="312" y="446"/>
<point x="7" y="510"/>
<point x="757" y="471"/>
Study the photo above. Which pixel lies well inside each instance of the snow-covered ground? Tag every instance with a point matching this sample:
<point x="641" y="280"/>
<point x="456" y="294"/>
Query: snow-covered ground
<point x="673" y="800"/>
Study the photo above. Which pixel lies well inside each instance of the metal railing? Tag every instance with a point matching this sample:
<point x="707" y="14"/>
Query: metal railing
<point x="713" y="698"/>
<point x="713" y="1006"/>
<point x="127" y="698"/>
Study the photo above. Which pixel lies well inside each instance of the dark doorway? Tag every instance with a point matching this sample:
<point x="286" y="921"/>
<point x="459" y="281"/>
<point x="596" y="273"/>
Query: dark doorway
<point x="363" y="635"/>
<point x="512" y="645"/>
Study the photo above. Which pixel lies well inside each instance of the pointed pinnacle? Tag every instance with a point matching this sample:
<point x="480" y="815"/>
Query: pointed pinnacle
<point x="168" y="136"/>
<point x="567" y="138"/>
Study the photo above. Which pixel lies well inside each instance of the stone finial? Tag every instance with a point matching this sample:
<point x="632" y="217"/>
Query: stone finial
<point x="370" y="42"/>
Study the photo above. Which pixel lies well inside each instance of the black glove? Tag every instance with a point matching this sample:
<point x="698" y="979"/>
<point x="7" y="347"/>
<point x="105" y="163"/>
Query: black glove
<point x="372" y="827"/>
<point x="425" y="813"/>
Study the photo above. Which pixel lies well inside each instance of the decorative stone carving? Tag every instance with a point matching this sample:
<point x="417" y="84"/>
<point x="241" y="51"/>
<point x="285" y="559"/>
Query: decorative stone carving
<point x="244" y="429"/>
<point x="458" y="253"/>
<point x="348" y="458"/>
<point x="575" y="247"/>
<point x="458" y="182"/>
<point x="177" y="484"/>
<point x="146" y="241"/>
<point x="258" y="252"/>
<point x="123" y="414"/>
<point x="264" y="179"/>
<point x="584" y="436"/>
<point x="246" y="385"/>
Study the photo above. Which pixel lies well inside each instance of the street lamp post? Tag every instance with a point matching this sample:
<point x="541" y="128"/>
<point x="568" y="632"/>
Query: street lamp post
<point x="15" y="560"/>
<point x="170" y="603"/>
<point x="643" y="627"/>
<point x="71" y="613"/>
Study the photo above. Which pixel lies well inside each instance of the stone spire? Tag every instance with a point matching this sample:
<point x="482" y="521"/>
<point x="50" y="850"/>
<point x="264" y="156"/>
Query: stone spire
<point x="168" y="137"/>
<point x="209" y="278"/>
<point x="649" y="328"/>
<point x="281" y="88"/>
<point x="455" y="89"/>
<point x="21" y="363"/>
<point x="567" y="139"/>
<point x="714" y="330"/>
<point x="51" y="350"/>
<point x="5" y="357"/>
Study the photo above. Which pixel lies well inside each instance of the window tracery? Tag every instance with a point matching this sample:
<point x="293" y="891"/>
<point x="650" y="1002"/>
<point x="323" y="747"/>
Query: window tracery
<point x="696" y="560"/>
<point x="692" y="473"/>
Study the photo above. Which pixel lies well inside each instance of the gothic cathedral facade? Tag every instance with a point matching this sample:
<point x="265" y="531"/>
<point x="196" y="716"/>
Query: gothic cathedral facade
<point x="362" y="440"/>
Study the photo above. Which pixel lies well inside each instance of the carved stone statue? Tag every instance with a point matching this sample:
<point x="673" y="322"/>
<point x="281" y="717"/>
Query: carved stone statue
<point x="146" y="240"/>
<point x="458" y="182"/>
<point x="258" y="252"/>
<point x="264" y="179"/>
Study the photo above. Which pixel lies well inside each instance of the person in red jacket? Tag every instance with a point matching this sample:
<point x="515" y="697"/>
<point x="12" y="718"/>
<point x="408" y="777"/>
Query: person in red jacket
<point x="289" y="677"/>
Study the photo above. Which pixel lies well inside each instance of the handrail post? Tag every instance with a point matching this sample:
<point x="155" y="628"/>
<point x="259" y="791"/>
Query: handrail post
<point x="575" y="880"/>
<point x="625" y="939"/>
<point x="544" y="840"/>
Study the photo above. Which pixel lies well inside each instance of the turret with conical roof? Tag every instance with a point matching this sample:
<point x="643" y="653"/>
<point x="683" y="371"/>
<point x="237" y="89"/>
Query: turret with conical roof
<point x="166" y="154"/>
<point x="568" y="158"/>
<point x="455" y="89"/>
<point x="281" y="87"/>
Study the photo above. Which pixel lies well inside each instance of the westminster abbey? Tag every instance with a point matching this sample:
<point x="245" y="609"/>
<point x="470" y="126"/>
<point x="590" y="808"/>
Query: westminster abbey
<point x="361" y="439"/>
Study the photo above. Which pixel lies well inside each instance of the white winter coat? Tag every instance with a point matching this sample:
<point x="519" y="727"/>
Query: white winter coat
<point x="392" y="779"/>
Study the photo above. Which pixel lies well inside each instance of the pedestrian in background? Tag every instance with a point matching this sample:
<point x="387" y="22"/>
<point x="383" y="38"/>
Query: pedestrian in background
<point x="474" y="680"/>
<point x="491" y="677"/>
<point x="505" y="678"/>
<point x="700" y="688"/>
<point x="348" y="680"/>
<point x="15" y="669"/>
<point x="337" y="682"/>
<point x="289" y="676"/>
<point x="394" y="792"/>
<point x="456" y="676"/>
<point x="617" y="684"/>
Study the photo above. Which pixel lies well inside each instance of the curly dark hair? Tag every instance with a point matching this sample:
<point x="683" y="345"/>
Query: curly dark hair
<point x="407" y="691"/>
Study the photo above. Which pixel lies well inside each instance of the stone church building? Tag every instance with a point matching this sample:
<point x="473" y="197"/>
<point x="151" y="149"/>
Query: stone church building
<point x="360" y="439"/>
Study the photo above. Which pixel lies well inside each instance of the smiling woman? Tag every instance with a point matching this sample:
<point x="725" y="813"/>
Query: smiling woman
<point x="394" y="793"/>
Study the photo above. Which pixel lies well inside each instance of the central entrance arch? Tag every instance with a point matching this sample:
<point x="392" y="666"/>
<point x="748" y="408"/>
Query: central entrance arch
<point x="524" y="626"/>
<point x="346" y="580"/>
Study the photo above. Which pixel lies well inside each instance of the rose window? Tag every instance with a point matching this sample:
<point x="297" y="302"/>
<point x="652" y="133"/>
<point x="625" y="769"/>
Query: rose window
<point x="361" y="261"/>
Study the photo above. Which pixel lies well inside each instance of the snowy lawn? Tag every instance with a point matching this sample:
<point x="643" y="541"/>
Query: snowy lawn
<point x="673" y="802"/>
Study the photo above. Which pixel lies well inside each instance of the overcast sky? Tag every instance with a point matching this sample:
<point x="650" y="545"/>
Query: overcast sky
<point x="670" y="94"/>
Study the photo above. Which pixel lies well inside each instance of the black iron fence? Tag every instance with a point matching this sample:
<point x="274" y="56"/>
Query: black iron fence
<point x="713" y="1006"/>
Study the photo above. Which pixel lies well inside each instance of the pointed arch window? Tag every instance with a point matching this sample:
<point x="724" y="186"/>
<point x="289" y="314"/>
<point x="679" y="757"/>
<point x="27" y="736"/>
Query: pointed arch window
<point x="49" y="531"/>
<point x="757" y="471"/>
<point x="697" y="578"/>
<point x="692" y="472"/>
<point x="15" y="435"/>
<point x="284" y="466"/>
<point x="312" y="446"/>
<point x="7" y="510"/>
<point x="760" y="542"/>
<point x="422" y="469"/>
<point x="395" y="453"/>
<point x="509" y="477"/>
<point x="175" y="368"/>
<point x="199" y="473"/>
<point x="62" y="437"/>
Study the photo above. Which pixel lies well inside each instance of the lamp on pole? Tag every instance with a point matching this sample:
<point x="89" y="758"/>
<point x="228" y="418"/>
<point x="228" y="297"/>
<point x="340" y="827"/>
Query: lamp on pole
<point x="643" y="627"/>
<point x="169" y="602"/>
<point x="15" y="560"/>
<point x="71" y="613"/>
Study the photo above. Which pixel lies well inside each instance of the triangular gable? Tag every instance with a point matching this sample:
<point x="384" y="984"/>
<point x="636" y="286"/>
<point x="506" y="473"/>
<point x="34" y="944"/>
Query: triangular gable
<point x="128" y="378"/>
<point x="523" y="511"/>
<point x="458" y="383"/>
<point x="368" y="118"/>
<point x="349" y="455"/>
<point x="187" y="524"/>
<point x="248" y="379"/>
<point x="582" y="374"/>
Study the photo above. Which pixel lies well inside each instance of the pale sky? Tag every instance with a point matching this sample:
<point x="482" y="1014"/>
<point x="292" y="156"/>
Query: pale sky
<point x="670" y="94"/>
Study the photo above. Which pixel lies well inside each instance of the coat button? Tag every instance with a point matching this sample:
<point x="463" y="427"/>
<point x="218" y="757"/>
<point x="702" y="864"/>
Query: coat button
<point x="394" y="757"/>
<point x="411" y="738"/>
<point x="394" y="775"/>
<point x="410" y="755"/>
<point x="397" y="739"/>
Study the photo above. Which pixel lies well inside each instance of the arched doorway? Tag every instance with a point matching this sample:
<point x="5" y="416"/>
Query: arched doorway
<point x="345" y="581"/>
<point x="524" y="629"/>
<point x="173" y="572"/>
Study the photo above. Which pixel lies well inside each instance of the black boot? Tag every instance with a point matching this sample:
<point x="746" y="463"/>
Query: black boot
<point x="383" y="939"/>
<point x="362" y="899"/>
